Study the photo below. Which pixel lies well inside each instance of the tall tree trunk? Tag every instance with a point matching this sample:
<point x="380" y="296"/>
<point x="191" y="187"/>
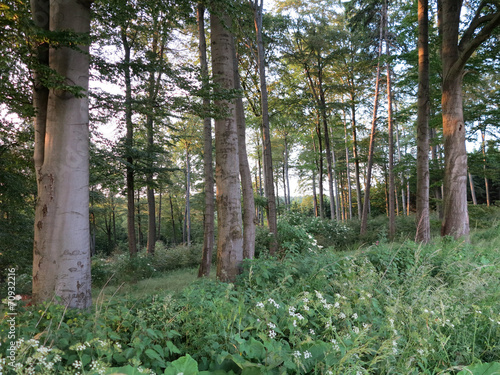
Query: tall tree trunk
<point x="356" y="158"/>
<point x="140" y="239"/>
<point x="392" y="189"/>
<point x="208" y="169"/>
<point x="172" y="219"/>
<point x="423" y="210"/>
<point x="348" y="170"/>
<point x="187" y="219"/>
<point x="454" y="56"/>
<point x="129" y="144"/>
<point x="61" y="250"/>
<point x="472" y="190"/>
<point x="230" y="233"/>
<point x="315" y="197"/>
<point x="287" y="179"/>
<point x="158" y="231"/>
<point x="319" y="95"/>
<point x="249" y="219"/>
<point x="486" y="185"/>
<point x="319" y="166"/>
<point x="266" y="137"/>
<point x="366" y="203"/>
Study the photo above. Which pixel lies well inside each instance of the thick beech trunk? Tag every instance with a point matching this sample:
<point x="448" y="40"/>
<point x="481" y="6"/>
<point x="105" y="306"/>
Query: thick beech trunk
<point x="230" y="231"/>
<point x="61" y="251"/>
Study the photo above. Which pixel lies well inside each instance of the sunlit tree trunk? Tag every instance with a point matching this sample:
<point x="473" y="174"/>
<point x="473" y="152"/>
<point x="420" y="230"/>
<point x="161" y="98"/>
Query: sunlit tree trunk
<point x="230" y="231"/>
<point x="472" y="190"/>
<point x="61" y="251"/>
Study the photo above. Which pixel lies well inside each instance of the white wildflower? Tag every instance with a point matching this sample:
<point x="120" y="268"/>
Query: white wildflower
<point x="77" y="364"/>
<point x="297" y="354"/>
<point x="307" y="354"/>
<point x="272" y="334"/>
<point x="260" y="304"/>
<point x="354" y="316"/>
<point x="342" y="315"/>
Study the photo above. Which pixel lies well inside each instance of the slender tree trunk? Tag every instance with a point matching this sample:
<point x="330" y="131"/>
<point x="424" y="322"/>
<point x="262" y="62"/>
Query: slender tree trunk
<point x="486" y="185"/>
<point x="209" y="214"/>
<point x="319" y="164"/>
<point x="286" y="173"/>
<point x="266" y="137"/>
<point x="139" y="221"/>
<point x="348" y="170"/>
<point x="335" y="185"/>
<point x="230" y="233"/>
<point x="315" y="196"/>
<point x="249" y="219"/>
<point x="158" y="231"/>
<point x="392" y="189"/>
<point x="129" y="144"/>
<point x="472" y="190"/>
<point x="172" y="219"/>
<point x="364" y="218"/>
<point x="113" y="208"/>
<point x="61" y="249"/>
<point x="187" y="220"/>
<point x="423" y="210"/>
<point x="356" y="158"/>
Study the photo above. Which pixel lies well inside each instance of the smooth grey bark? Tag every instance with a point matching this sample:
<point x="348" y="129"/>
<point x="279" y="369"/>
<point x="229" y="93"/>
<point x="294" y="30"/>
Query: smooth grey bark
<point x="61" y="250"/>
<point x="423" y="185"/>
<point x="208" y="169"/>
<point x="249" y="218"/>
<point x="229" y="220"/>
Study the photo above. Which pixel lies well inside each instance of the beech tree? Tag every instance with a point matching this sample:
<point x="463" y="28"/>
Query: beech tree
<point x="455" y="53"/>
<point x="61" y="250"/>
<point x="229" y="221"/>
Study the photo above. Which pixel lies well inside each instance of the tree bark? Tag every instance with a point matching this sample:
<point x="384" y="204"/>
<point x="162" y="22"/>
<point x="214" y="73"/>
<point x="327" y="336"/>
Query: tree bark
<point x="486" y="185"/>
<point x="129" y="144"/>
<point x="454" y="57"/>
<point x="472" y="190"/>
<point x="249" y="219"/>
<point x="266" y="137"/>
<point x="61" y="250"/>
<point x="390" y="130"/>
<point x="187" y="219"/>
<point x="364" y="218"/>
<point x="208" y="169"/>
<point x="230" y="233"/>
<point x="423" y="184"/>
<point x="356" y="158"/>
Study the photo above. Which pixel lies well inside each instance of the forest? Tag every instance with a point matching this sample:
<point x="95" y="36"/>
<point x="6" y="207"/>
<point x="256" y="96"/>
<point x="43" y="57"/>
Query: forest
<point x="240" y="187"/>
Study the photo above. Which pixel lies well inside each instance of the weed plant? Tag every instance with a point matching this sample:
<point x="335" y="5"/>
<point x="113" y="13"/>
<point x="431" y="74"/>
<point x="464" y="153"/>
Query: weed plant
<point x="389" y="308"/>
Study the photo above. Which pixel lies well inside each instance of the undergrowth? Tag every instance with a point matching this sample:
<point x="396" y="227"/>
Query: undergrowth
<point x="388" y="308"/>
